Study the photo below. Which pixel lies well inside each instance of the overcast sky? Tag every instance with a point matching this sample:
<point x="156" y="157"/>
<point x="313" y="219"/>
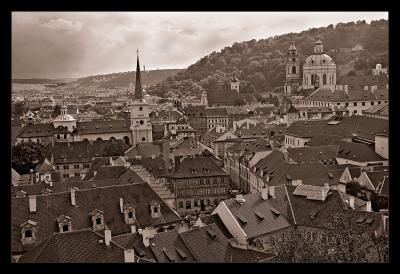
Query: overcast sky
<point x="78" y="44"/>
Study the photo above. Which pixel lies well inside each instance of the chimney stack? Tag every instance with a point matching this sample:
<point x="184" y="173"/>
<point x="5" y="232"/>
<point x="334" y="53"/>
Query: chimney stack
<point x="73" y="198"/>
<point x="369" y="208"/>
<point x="121" y="205"/>
<point x="107" y="236"/>
<point x="32" y="203"/>
<point x="352" y="202"/>
<point x="271" y="191"/>
<point x="129" y="255"/>
<point x="133" y="229"/>
<point x="147" y="234"/>
<point x="365" y="87"/>
<point x="264" y="193"/>
<point x="346" y="89"/>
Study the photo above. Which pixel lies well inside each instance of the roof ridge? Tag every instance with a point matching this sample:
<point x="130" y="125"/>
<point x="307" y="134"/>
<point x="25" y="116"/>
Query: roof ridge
<point x="290" y="205"/>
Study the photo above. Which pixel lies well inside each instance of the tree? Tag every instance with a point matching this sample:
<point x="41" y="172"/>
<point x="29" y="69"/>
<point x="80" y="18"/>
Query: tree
<point x="19" y="108"/>
<point x="26" y="156"/>
<point x="344" y="242"/>
<point x="353" y="188"/>
<point x="238" y="102"/>
<point x="117" y="148"/>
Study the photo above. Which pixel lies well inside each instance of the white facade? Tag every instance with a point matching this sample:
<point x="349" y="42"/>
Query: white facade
<point x="382" y="146"/>
<point x="140" y="122"/>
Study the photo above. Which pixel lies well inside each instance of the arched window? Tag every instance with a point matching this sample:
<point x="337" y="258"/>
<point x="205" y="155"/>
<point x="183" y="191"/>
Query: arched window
<point x="312" y="79"/>
<point x="99" y="139"/>
<point x="126" y="139"/>
<point x="324" y="79"/>
<point x="98" y="221"/>
<point x="130" y="214"/>
<point x="143" y="139"/>
<point x="294" y="70"/>
<point x="141" y="122"/>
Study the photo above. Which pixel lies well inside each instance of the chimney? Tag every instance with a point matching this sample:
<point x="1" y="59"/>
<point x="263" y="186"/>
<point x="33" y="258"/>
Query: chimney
<point x="346" y="89"/>
<point x="107" y="236"/>
<point x="352" y="202"/>
<point x="111" y="161"/>
<point x="365" y="87"/>
<point x="32" y="203"/>
<point x="264" y="193"/>
<point x="133" y="229"/>
<point x="73" y="198"/>
<point x="121" y="205"/>
<point x="272" y="191"/>
<point x="148" y="233"/>
<point x="369" y="208"/>
<point x="129" y="255"/>
<point x="153" y="157"/>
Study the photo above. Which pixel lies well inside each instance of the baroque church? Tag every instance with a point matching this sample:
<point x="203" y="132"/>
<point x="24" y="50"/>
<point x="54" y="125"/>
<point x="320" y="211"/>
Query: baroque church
<point x="319" y="70"/>
<point x="64" y="128"/>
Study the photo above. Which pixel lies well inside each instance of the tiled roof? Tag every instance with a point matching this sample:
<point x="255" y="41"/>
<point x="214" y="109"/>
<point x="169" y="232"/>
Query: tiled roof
<point x="96" y="127"/>
<point x="215" y="219"/>
<point x="79" y="152"/>
<point x="382" y="109"/>
<point x="321" y="140"/>
<point x="37" y="130"/>
<point x="216" y="112"/>
<point x="81" y="246"/>
<point x="313" y="154"/>
<point x="157" y="166"/>
<point x="326" y="95"/>
<point x="254" y="206"/>
<point x="357" y="152"/>
<point x="107" y="199"/>
<point x="358" y="82"/>
<point x="97" y="162"/>
<point x="146" y="150"/>
<point x="135" y="241"/>
<point x="353" y="126"/>
<point x="273" y="166"/>
<point x="204" y="166"/>
<point x="44" y="167"/>
<point x="264" y="110"/>
<point x="377" y="177"/>
<point x="167" y="246"/>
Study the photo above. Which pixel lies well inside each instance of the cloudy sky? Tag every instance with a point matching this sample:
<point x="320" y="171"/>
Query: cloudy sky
<point x="78" y="44"/>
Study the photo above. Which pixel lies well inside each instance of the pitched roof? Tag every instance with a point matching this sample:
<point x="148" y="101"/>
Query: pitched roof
<point x="223" y="97"/>
<point x="107" y="199"/>
<point x="135" y="241"/>
<point x="216" y="112"/>
<point x="359" y="81"/>
<point x="146" y="150"/>
<point x="45" y="166"/>
<point x="357" y="152"/>
<point x="313" y="154"/>
<point x="80" y="246"/>
<point x="37" y="130"/>
<point x="377" y="177"/>
<point x="215" y="219"/>
<point x="254" y="207"/>
<point x="157" y="166"/>
<point x="99" y="126"/>
<point x="382" y="109"/>
<point x="326" y="95"/>
<point x="204" y="167"/>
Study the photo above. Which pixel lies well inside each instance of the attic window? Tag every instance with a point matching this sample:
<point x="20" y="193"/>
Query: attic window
<point x="275" y="211"/>
<point x="242" y="219"/>
<point x="348" y="151"/>
<point x="314" y="213"/>
<point x="194" y="170"/>
<point x="181" y="253"/>
<point x="211" y="234"/>
<point x="341" y="150"/>
<point x="330" y="175"/>
<point x="259" y="215"/>
<point x="206" y="170"/>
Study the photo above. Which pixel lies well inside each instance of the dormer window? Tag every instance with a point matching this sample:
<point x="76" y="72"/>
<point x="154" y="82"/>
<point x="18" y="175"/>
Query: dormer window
<point x="194" y="170"/>
<point x="28" y="232"/>
<point x="206" y="170"/>
<point x="129" y="213"/>
<point x="97" y="219"/>
<point x="155" y="209"/>
<point x="64" y="223"/>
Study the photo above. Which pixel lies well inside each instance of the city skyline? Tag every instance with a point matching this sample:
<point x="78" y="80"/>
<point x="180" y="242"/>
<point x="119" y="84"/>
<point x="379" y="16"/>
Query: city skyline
<point x="79" y="44"/>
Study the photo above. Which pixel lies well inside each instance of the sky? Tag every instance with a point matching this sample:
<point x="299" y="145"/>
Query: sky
<point x="78" y="44"/>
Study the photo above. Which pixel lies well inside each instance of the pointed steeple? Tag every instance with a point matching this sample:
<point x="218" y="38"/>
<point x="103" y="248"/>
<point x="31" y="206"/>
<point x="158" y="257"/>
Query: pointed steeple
<point x="138" y="86"/>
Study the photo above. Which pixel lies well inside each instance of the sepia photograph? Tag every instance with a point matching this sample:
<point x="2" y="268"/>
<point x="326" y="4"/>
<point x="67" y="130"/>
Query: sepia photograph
<point x="199" y="137"/>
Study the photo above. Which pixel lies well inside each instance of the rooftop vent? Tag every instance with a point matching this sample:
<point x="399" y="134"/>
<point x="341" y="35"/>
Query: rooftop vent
<point x="259" y="215"/>
<point x="275" y="211"/>
<point x="211" y="234"/>
<point x="242" y="219"/>
<point x="181" y="253"/>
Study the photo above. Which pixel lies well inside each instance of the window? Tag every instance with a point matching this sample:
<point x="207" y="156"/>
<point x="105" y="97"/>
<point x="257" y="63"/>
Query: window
<point x="130" y="214"/>
<point x="66" y="166"/>
<point x="28" y="233"/>
<point x="372" y="103"/>
<point x="363" y="103"/>
<point x="216" y="202"/>
<point x="379" y="102"/>
<point x="65" y="228"/>
<point x="140" y="108"/>
<point x="65" y="175"/>
<point x="155" y="209"/>
<point x="180" y="204"/>
<point x="86" y="165"/>
<point x="76" y="166"/>
<point x="98" y="221"/>
<point x="58" y="136"/>
<point x="196" y="203"/>
<point x="293" y="70"/>
<point x="77" y="174"/>
<point x="57" y="167"/>
<point x="65" y="136"/>
<point x="347" y="104"/>
<point x="141" y="122"/>
<point x="324" y="79"/>
<point x="143" y="139"/>
<point x="355" y="112"/>
<point x="188" y="204"/>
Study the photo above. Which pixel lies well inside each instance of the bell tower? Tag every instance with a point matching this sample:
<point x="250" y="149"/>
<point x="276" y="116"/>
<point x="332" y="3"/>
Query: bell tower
<point x="140" y="126"/>
<point x="292" y="81"/>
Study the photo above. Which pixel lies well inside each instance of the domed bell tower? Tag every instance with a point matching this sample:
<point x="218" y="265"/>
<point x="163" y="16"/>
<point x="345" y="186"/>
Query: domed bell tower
<point x="292" y="81"/>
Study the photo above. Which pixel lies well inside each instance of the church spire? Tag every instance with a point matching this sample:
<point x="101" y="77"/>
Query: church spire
<point x="138" y="86"/>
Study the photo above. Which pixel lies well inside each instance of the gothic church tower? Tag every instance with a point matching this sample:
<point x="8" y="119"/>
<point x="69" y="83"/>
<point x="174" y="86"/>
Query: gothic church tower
<point x="292" y="81"/>
<point x="140" y="121"/>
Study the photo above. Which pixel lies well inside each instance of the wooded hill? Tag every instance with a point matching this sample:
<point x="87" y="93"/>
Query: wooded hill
<point x="260" y="64"/>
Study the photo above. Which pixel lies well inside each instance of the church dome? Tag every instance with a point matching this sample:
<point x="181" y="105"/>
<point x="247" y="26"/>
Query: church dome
<point x="318" y="60"/>
<point x="64" y="116"/>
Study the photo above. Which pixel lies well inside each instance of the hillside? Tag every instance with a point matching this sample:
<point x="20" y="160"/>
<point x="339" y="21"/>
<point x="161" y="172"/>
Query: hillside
<point x="43" y="81"/>
<point x="122" y="79"/>
<point x="260" y="64"/>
